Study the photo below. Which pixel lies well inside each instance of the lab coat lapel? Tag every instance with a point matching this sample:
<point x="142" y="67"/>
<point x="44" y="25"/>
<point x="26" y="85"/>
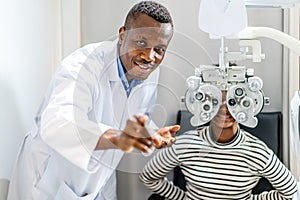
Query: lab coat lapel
<point x="117" y="92"/>
<point x="119" y="101"/>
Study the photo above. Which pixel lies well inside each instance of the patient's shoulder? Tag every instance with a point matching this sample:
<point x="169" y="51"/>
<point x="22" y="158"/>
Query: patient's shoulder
<point x="193" y="135"/>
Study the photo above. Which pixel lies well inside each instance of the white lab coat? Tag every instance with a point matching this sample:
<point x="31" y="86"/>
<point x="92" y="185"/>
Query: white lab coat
<point x="294" y="131"/>
<point x="295" y="137"/>
<point x="86" y="97"/>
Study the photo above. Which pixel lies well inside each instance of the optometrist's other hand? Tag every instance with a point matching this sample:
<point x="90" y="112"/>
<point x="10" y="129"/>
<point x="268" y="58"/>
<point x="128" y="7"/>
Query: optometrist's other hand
<point x="165" y="136"/>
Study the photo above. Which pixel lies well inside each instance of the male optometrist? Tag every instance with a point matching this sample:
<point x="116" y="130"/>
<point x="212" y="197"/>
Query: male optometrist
<point x="91" y="112"/>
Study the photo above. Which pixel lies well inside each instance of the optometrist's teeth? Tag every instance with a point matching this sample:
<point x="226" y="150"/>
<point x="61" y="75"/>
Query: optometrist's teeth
<point x="145" y="66"/>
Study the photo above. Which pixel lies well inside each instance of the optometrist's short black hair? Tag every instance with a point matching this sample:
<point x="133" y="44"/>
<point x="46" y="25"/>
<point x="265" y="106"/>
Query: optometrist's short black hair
<point x="150" y="8"/>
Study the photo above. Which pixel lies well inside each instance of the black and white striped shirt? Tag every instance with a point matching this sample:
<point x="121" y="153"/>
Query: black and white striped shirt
<point x="218" y="171"/>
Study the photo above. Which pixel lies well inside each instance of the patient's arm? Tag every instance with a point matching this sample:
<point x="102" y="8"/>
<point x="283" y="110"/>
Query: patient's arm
<point x="153" y="175"/>
<point x="281" y="178"/>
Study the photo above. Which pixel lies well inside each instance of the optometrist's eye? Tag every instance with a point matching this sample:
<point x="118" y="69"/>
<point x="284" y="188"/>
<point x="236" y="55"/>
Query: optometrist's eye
<point x="141" y="43"/>
<point x="160" y="50"/>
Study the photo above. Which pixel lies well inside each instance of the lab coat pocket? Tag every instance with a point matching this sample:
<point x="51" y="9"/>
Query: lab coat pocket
<point x="66" y="193"/>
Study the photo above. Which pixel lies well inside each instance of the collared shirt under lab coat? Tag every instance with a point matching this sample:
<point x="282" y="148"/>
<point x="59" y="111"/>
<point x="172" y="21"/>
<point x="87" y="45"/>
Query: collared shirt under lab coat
<point x="86" y="97"/>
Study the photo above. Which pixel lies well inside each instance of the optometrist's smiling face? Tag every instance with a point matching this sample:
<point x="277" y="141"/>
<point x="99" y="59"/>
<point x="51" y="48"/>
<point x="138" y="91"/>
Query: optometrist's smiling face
<point x="142" y="46"/>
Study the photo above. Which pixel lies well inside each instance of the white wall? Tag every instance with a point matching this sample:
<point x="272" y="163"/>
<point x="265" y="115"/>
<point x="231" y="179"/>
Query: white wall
<point x="70" y="26"/>
<point x="29" y="52"/>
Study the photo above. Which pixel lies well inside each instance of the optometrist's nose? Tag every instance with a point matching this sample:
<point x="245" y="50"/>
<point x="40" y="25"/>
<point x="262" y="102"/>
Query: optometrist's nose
<point x="152" y="55"/>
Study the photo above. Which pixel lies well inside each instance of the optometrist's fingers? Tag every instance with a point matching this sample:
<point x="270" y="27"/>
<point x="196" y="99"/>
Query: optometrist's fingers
<point x="113" y="138"/>
<point x="142" y="147"/>
<point x="165" y="136"/>
<point x="136" y="128"/>
<point x="124" y="142"/>
<point x="141" y="119"/>
<point x="173" y="129"/>
<point x="160" y="142"/>
<point x="127" y="143"/>
<point x="168" y="131"/>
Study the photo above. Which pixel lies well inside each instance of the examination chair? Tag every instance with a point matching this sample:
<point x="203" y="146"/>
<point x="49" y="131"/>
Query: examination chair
<point x="269" y="130"/>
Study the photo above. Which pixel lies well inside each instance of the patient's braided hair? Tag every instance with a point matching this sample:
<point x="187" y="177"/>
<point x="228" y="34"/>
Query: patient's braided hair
<point x="150" y="8"/>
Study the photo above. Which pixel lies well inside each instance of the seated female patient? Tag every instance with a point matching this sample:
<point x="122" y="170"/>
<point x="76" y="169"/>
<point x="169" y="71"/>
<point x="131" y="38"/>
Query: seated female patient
<point x="220" y="161"/>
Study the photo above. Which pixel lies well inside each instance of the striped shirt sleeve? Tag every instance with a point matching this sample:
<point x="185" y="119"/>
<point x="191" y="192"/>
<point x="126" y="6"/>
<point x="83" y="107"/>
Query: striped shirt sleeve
<point x="153" y="175"/>
<point x="281" y="178"/>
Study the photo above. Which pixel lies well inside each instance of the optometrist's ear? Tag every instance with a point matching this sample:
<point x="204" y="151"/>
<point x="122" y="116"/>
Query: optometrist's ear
<point x="121" y="33"/>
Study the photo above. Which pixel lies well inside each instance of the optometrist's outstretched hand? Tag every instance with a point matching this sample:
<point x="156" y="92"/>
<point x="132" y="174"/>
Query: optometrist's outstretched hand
<point x="137" y="136"/>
